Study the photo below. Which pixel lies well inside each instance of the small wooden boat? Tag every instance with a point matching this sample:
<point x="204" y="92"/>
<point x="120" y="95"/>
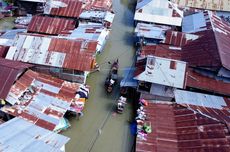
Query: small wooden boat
<point x="111" y="80"/>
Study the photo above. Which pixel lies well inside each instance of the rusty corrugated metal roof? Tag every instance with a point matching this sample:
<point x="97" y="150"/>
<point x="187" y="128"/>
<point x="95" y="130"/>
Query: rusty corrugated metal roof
<point x="41" y="99"/>
<point x="140" y="66"/>
<point x="222" y="34"/>
<point x="161" y="50"/>
<point x="98" y="5"/>
<point x="73" y="9"/>
<point x="9" y="71"/>
<point x="50" y="25"/>
<point x="102" y="4"/>
<point x="180" y="39"/>
<point x="3" y="50"/>
<point x="219" y="5"/>
<point x="198" y="81"/>
<point x="55" y="52"/>
<point x="202" y="52"/>
<point x="214" y="107"/>
<point x="79" y="54"/>
<point x="212" y="49"/>
<point x="178" y="128"/>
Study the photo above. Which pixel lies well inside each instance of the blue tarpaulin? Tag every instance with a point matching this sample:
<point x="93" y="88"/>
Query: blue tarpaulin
<point x="128" y="80"/>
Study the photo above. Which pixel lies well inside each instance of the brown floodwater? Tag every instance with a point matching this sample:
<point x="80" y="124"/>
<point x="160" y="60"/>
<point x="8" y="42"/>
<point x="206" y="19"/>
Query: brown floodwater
<point x="101" y="129"/>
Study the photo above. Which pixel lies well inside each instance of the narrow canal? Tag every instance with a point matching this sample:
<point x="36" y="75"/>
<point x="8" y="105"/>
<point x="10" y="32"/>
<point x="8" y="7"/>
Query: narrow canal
<point x="100" y="129"/>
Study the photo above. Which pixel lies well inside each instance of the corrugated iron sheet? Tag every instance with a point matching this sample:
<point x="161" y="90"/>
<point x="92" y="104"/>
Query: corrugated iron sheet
<point x="158" y="11"/>
<point x="151" y="31"/>
<point x="96" y="32"/>
<point x="163" y="71"/>
<point x="51" y="25"/>
<point x="41" y="99"/>
<point x="179" y="38"/>
<point x="203" y="52"/>
<point x="196" y="22"/>
<point x="211" y="50"/>
<point x="214" y="107"/>
<point x="88" y="31"/>
<point x="163" y="134"/>
<point x="162" y="50"/>
<point x="9" y="71"/>
<point x="73" y="9"/>
<point x="199" y="99"/>
<point x="3" y="50"/>
<point x="102" y="5"/>
<point x="219" y="5"/>
<point x="222" y="35"/>
<point x="55" y="52"/>
<point x="177" y="128"/>
<point x="140" y="66"/>
<point x="198" y="81"/>
<point x="20" y="135"/>
<point x="79" y="54"/>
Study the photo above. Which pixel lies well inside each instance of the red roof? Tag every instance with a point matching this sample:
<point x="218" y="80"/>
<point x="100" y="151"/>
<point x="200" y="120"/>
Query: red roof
<point x="140" y="67"/>
<point x="76" y="57"/>
<point x="102" y="4"/>
<point x="212" y="49"/>
<point x="50" y="25"/>
<point x="179" y="38"/>
<point x="203" y="52"/>
<point x="220" y="115"/>
<point x="222" y="35"/>
<point x="9" y="71"/>
<point x="3" y="50"/>
<point x="73" y="9"/>
<point x="177" y="128"/>
<point x="198" y="81"/>
<point x="161" y="50"/>
<point x="76" y="54"/>
<point x="98" y="4"/>
<point x="46" y="104"/>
